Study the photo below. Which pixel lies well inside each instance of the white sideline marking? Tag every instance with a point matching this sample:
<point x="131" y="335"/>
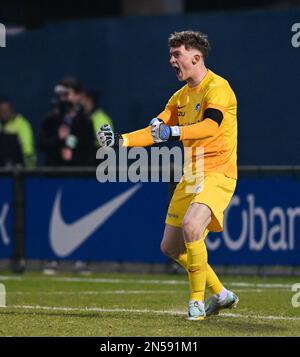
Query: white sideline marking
<point x="144" y="311"/>
<point x="259" y="285"/>
<point x="3" y="277"/>
<point x="106" y="292"/>
<point x="167" y="282"/>
<point x="95" y="309"/>
<point x="262" y="317"/>
<point x="120" y="292"/>
<point x="2" y="295"/>
<point x="143" y="281"/>
<point x="118" y="281"/>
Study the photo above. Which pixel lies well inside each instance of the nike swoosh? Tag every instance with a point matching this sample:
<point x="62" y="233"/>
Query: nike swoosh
<point x="65" y="238"/>
<point x="181" y="107"/>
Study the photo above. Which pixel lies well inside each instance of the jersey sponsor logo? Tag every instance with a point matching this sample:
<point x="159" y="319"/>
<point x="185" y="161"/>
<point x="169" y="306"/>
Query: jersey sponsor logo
<point x="197" y="107"/>
<point x="65" y="238"/>
<point x="190" y="123"/>
<point x="181" y="114"/>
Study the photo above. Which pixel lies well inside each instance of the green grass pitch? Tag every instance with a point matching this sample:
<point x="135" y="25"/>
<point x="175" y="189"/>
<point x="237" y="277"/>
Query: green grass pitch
<point x="141" y="305"/>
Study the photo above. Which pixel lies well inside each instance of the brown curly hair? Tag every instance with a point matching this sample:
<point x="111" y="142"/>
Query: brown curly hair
<point x="190" y="39"/>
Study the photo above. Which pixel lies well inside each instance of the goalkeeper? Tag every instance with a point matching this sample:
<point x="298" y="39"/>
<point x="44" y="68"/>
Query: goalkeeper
<point x="202" y="114"/>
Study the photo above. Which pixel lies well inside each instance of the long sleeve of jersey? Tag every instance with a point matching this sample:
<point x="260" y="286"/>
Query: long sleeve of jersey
<point x="143" y="137"/>
<point x="140" y="137"/>
<point x="202" y="130"/>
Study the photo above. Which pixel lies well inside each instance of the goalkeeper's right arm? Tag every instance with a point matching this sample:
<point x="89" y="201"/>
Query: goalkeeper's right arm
<point x="142" y="137"/>
<point x="107" y="138"/>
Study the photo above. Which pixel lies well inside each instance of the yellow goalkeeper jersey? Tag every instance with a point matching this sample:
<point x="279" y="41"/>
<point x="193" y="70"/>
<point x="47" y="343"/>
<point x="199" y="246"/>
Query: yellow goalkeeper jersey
<point x="207" y="116"/>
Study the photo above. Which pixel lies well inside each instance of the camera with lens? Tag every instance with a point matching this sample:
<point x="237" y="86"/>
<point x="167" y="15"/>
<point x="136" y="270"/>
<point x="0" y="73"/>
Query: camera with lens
<point x="60" y="103"/>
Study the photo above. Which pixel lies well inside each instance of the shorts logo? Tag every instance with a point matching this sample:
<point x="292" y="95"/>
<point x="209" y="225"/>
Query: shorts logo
<point x="197" y="107"/>
<point x="198" y="189"/>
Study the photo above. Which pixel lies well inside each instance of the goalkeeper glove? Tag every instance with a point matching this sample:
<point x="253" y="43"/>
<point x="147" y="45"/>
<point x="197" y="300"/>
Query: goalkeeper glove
<point x="106" y="136"/>
<point x="162" y="132"/>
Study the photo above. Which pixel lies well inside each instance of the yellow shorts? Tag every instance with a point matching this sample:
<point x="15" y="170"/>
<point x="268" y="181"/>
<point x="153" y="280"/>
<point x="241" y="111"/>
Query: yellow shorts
<point x="216" y="193"/>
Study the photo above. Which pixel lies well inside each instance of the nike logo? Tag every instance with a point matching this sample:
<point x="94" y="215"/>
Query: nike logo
<point x="66" y="238"/>
<point x="3" y="232"/>
<point x="181" y="107"/>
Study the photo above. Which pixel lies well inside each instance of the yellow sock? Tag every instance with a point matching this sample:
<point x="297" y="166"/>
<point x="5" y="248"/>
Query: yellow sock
<point x="197" y="267"/>
<point x="182" y="260"/>
<point x="213" y="283"/>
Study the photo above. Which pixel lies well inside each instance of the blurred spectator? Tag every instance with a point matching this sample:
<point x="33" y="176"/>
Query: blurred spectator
<point x="90" y="100"/>
<point x="12" y="124"/>
<point x="66" y="134"/>
<point x="67" y="138"/>
<point x="10" y="150"/>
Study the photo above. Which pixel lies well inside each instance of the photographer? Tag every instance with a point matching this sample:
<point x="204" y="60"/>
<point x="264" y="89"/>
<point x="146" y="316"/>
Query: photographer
<point x="66" y="134"/>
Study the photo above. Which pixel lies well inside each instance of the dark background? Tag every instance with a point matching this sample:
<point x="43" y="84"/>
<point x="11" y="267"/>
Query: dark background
<point x="38" y="13"/>
<point x="110" y="47"/>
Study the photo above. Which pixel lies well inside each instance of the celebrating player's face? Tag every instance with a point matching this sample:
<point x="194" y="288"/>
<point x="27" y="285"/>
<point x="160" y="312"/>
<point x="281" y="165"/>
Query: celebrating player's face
<point x="183" y="62"/>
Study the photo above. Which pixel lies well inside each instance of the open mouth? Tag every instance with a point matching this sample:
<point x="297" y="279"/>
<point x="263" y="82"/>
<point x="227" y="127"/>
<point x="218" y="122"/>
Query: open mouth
<point x="177" y="70"/>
